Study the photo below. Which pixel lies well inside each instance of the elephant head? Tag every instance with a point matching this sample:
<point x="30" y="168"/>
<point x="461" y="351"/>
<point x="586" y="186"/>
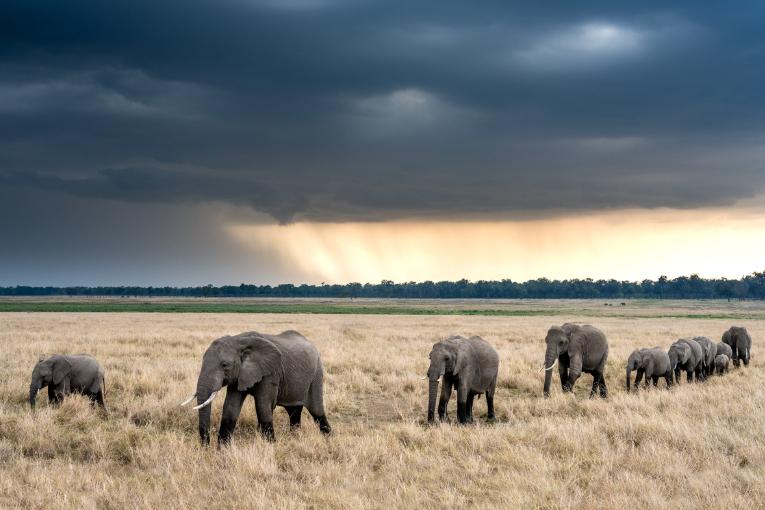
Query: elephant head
<point x="679" y="354"/>
<point x="241" y="362"/>
<point x="448" y="357"/>
<point x="557" y="341"/>
<point x="52" y="370"/>
<point x="634" y="362"/>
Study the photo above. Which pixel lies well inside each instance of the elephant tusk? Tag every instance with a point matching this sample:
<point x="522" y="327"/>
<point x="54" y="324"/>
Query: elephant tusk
<point x="543" y="369"/>
<point x="189" y="400"/>
<point x="206" y="402"/>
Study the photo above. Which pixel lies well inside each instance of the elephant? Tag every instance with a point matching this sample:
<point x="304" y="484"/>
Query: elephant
<point x="653" y="363"/>
<point x="576" y="349"/>
<point x="723" y="348"/>
<point x="740" y="343"/>
<point x="709" y="351"/>
<point x="721" y="363"/>
<point x="686" y="355"/>
<point x="469" y="364"/>
<point x="68" y="373"/>
<point x="283" y="370"/>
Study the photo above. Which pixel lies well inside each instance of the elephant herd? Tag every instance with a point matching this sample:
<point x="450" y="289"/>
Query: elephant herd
<point x="286" y="370"/>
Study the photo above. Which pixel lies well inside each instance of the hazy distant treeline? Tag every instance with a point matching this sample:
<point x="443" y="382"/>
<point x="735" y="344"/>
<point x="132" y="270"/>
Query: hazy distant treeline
<point x="684" y="287"/>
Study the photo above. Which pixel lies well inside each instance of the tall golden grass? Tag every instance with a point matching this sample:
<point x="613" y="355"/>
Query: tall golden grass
<point x="699" y="445"/>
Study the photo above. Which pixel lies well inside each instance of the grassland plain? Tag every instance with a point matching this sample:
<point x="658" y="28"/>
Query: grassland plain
<point x="700" y="445"/>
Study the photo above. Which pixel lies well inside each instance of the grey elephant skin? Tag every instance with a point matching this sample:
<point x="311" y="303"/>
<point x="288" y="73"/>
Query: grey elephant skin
<point x="576" y="349"/>
<point x="653" y="363"/>
<point x="723" y="348"/>
<point x="686" y="355"/>
<point x="708" y="353"/>
<point x="66" y="374"/>
<point x="722" y="363"/>
<point x="283" y="370"/>
<point x="740" y="343"/>
<point x="471" y="366"/>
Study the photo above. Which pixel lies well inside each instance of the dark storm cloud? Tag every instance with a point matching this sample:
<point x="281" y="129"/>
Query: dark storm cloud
<point x="335" y="110"/>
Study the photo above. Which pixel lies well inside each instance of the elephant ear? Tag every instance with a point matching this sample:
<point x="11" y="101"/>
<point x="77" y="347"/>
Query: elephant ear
<point x="464" y="358"/>
<point x="260" y="358"/>
<point x="61" y="369"/>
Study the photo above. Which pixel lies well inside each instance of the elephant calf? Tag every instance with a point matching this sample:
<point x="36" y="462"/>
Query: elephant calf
<point x="721" y="363"/>
<point x="283" y="370"/>
<point x="65" y="374"/>
<point x="469" y="364"/>
<point x="653" y="363"/>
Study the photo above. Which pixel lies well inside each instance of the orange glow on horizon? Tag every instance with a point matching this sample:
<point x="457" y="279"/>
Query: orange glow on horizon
<point x="625" y="245"/>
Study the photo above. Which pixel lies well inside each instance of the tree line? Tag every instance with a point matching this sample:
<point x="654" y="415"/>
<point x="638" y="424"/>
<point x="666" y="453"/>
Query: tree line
<point x="684" y="287"/>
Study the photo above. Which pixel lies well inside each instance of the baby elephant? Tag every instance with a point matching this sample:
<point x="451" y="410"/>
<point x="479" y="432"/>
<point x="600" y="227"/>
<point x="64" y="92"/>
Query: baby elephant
<point x="469" y="364"/>
<point x="721" y="363"/>
<point x="653" y="363"/>
<point x="65" y="374"/>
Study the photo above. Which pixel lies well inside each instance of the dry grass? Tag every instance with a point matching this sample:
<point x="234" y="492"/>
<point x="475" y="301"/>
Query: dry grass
<point x="698" y="445"/>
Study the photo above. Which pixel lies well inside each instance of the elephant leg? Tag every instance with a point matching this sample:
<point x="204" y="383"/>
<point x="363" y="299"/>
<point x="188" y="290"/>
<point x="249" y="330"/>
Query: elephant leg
<point x="265" y="401"/>
<point x="469" y="406"/>
<point x="689" y="376"/>
<point x="677" y="376"/>
<point x="294" y="412"/>
<point x="490" y="402"/>
<point x="462" y="398"/>
<point x="54" y="398"/>
<point x="655" y="380"/>
<point x="563" y="364"/>
<point x="232" y="406"/>
<point x="668" y="378"/>
<point x="602" y="385"/>
<point x="446" y="393"/>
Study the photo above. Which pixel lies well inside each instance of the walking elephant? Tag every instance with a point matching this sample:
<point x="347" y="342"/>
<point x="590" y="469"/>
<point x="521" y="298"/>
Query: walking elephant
<point x="65" y="374"/>
<point x="283" y="370"/>
<point x="723" y="348"/>
<point x="653" y="363"/>
<point x="576" y="349"/>
<point x="721" y="363"/>
<point x="471" y="366"/>
<point x="708" y="353"/>
<point x="685" y="355"/>
<point x="740" y="343"/>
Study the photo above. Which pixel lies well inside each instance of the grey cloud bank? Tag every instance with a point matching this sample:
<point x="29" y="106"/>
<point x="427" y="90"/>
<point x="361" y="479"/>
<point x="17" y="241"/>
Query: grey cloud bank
<point x="321" y="110"/>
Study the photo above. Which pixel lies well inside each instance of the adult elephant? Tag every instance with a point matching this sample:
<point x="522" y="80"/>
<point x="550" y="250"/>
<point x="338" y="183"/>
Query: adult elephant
<point x="653" y="363"/>
<point x="740" y="343"/>
<point x="283" y="369"/>
<point x="686" y="355"/>
<point x="65" y="374"/>
<point x="708" y="353"/>
<point x="471" y="366"/>
<point x="576" y="349"/>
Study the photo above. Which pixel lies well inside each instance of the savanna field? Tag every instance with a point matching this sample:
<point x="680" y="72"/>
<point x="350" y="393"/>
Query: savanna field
<point x="699" y="445"/>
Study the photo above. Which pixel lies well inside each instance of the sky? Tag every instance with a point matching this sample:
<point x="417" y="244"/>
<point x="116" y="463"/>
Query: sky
<point x="291" y="141"/>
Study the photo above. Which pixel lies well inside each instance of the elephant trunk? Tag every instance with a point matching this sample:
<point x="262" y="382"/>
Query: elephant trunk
<point x="204" y="417"/>
<point x="206" y="387"/>
<point x="33" y="389"/>
<point x="550" y="356"/>
<point x="432" y="391"/>
<point x="629" y="373"/>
